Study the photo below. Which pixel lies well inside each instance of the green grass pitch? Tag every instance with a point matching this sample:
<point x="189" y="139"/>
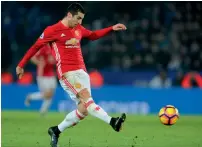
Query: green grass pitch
<point x="28" y="129"/>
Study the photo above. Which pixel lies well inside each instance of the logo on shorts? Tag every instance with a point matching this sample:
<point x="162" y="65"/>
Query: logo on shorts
<point x="77" y="85"/>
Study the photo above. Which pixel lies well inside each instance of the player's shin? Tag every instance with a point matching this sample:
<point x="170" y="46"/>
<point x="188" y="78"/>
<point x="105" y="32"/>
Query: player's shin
<point x="97" y="111"/>
<point x="70" y="120"/>
<point x="93" y="108"/>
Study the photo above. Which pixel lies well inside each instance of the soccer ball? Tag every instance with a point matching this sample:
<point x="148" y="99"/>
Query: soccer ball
<point x="168" y="115"/>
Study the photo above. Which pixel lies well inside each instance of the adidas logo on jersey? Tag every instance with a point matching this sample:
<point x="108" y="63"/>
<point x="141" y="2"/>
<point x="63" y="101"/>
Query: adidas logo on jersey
<point x="62" y="35"/>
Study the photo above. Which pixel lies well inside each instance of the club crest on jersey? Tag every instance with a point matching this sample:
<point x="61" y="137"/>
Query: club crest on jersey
<point x="77" y="33"/>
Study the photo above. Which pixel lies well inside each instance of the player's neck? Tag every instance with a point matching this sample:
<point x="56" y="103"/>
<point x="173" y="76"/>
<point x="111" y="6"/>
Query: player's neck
<point x="65" y="22"/>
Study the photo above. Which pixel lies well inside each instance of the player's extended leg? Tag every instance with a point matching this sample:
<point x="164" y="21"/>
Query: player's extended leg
<point x="98" y="112"/>
<point x="70" y="120"/>
<point x="73" y="83"/>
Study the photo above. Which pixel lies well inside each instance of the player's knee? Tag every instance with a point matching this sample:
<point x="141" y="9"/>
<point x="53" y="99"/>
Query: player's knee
<point x="84" y="112"/>
<point x="82" y="108"/>
<point x="48" y="94"/>
<point x="84" y="94"/>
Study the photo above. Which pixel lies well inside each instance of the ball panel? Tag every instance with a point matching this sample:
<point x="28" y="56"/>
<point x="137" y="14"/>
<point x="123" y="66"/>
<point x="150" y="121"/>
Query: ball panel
<point x="164" y="119"/>
<point x="170" y="106"/>
<point x="173" y="120"/>
<point x="177" y="112"/>
<point x="170" y="111"/>
<point x="162" y="111"/>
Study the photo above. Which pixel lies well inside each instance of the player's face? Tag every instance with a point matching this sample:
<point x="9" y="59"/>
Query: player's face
<point x="77" y="19"/>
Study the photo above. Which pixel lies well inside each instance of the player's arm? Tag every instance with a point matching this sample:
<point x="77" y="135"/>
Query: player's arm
<point x="94" y="35"/>
<point x="47" y="36"/>
<point x="36" y="58"/>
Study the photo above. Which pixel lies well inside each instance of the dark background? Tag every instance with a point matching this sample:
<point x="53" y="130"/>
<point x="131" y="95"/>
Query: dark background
<point x="160" y="35"/>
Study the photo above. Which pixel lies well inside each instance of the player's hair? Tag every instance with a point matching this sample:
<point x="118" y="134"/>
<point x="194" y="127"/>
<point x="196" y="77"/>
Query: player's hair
<point x="75" y="8"/>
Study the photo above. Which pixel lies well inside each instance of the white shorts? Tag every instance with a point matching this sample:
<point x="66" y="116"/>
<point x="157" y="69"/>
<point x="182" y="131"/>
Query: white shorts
<point x="74" y="82"/>
<point x="46" y="83"/>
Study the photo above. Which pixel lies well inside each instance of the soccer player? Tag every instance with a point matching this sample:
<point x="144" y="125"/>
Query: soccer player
<point x="46" y="79"/>
<point x="64" y="38"/>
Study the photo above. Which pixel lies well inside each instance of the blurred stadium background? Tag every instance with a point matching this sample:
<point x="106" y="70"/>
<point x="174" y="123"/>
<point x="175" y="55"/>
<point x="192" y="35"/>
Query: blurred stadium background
<point x="155" y="62"/>
<point x="160" y="49"/>
<point x="160" y="35"/>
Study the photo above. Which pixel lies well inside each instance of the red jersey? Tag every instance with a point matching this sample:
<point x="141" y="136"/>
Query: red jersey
<point x="48" y="69"/>
<point x="65" y="44"/>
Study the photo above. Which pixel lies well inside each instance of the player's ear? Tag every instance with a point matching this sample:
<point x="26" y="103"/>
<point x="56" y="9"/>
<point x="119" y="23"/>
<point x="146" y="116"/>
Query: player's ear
<point x="69" y="15"/>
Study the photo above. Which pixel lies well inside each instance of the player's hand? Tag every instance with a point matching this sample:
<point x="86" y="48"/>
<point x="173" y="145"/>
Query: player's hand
<point x="19" y="72"/>
<point x="119" y="27"/>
